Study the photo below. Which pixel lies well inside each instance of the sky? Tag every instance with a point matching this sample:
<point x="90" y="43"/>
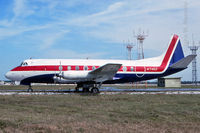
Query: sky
<point x="94" y="29"/>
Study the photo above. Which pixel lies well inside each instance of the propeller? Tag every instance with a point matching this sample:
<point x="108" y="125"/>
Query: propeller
<point x="60" y="69"/>
<point x="55" y="76"/>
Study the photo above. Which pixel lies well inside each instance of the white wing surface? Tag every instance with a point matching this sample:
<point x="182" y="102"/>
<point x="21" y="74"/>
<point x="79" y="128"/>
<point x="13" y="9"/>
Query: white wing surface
<point x="105" y="72"/>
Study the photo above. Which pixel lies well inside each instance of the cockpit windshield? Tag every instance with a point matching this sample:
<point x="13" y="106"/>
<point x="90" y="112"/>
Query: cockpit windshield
<point x="24" y="64"/>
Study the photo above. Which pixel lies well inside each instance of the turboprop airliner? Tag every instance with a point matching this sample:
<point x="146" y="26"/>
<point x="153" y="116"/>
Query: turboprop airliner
<point x="90" y="74"/>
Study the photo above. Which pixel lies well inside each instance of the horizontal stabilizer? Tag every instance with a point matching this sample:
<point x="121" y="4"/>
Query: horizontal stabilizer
<point x="183" y="63"/>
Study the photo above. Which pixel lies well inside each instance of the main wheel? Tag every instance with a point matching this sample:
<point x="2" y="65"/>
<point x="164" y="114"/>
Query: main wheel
<point x="95" y="90"/>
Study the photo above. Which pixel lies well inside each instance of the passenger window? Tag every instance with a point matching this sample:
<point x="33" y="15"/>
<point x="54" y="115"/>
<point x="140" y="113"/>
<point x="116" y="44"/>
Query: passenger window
<point x="68" y="67"/>
<point x="60" y="68"/>
<point x="85" y="68"/>
<point x="93" y="67"/>
<point x="77" y="67"/>
<point x="124" y="69"/>
<point x="132" y="69"/>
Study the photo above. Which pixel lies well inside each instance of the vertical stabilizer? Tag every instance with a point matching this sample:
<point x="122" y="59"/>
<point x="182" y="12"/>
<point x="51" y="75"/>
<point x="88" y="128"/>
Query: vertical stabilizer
<point x="178" y="53"/>
<point x="174" y="52"/>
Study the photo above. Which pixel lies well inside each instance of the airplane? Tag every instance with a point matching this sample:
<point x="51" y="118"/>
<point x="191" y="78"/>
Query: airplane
<point x="90" y="74"/>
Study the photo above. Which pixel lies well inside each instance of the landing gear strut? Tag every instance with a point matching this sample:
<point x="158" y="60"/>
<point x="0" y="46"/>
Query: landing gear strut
<point x="76" y="89"/>
<point x="29" y="89"/>
<point x="86" y="89"/>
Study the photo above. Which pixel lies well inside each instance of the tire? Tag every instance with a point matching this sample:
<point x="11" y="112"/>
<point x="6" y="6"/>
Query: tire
<point x="95" y="90"/>
<point x="30" y="90"/>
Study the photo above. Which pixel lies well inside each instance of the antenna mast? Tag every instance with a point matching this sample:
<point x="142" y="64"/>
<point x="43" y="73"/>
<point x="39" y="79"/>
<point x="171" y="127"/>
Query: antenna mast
<point x="141" y="36"/>
<point x="129" y="47"/>
<point x="185" y="30"/>
<point x="194" y="49"/>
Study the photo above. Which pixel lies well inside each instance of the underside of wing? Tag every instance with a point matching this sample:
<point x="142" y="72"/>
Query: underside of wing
<point x="105" y="72"/>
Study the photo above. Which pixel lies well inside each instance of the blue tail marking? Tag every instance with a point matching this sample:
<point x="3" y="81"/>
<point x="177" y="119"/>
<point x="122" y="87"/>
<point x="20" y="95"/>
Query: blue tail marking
<point x="178" y="54"/>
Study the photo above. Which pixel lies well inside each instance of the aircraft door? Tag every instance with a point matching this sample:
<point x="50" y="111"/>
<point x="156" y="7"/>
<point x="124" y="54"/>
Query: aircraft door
<point x="140" y="75"/>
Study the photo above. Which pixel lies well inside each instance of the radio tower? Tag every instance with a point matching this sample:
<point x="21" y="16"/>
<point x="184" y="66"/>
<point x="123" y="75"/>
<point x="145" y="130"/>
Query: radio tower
<point x="141" y="36"/>
<point x="185" y="30"/>
<point x="194" y="49"/>
<point x="129" y="47"/>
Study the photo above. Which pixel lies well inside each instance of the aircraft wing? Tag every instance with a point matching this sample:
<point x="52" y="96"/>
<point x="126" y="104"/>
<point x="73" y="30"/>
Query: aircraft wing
<point x="105" y="72"/>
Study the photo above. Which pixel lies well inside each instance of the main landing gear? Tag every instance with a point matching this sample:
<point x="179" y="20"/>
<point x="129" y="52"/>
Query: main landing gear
<point x="30" y="88"/>
<point x="93" y="88"/>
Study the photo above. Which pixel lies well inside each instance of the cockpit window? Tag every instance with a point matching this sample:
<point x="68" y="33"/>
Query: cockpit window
<point x="24" y="64"/>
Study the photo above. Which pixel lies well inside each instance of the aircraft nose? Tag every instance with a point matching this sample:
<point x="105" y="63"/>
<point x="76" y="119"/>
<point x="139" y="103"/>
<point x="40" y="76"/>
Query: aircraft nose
<point x="8" y="75"/>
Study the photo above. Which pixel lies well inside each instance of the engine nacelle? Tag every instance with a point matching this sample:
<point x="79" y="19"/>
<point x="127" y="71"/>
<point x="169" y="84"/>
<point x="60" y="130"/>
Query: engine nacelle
<point x="76" y="75"/>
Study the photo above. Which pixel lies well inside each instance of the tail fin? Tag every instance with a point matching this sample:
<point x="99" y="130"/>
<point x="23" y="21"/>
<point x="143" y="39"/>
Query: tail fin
<point x="178" y="53"/>
<point x="174" y="57"/>
<point x="174" y="52"/>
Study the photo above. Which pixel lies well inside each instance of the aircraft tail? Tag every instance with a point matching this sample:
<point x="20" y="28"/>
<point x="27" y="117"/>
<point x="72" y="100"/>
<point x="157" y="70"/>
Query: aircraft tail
<point x="178" y="52"/>
<point x="174" y="56"/>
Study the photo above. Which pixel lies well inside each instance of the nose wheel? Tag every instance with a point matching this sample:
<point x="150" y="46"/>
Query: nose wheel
<point x="29" y="89"/>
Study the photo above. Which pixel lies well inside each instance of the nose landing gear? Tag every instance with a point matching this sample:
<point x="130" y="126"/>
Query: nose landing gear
<point x="29" y="89"/>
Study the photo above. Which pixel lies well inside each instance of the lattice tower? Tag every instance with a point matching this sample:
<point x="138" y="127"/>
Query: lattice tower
<point x="141" y="36"/>
<point x="194" y="49"/>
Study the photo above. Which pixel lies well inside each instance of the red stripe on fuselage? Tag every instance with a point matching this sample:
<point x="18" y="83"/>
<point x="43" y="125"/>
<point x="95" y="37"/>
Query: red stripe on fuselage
<point x="50" y="68"/>
<point x="136" y="68"/>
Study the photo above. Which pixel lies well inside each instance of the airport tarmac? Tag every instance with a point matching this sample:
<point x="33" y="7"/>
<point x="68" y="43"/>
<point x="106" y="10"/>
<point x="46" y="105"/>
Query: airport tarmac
<point x="107" y="91"/>
<point x="103" y="93"/>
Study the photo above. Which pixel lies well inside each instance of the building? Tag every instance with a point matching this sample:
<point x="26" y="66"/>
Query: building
<point x="169" y="82"/>
<point x="2" y="82"/>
